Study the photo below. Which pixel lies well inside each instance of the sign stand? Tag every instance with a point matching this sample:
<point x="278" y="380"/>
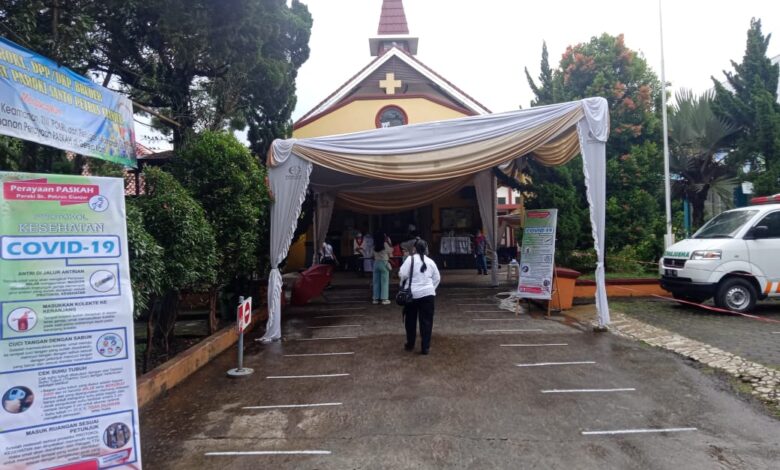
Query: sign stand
<point x="242" y="321"/>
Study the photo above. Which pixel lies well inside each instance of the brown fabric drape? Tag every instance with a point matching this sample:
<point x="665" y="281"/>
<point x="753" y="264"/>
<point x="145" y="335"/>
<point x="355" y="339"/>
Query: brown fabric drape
<point x="553" y="143"/>
<point x="396" y="201"/>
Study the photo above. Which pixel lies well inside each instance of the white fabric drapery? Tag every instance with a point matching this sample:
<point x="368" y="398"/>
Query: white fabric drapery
<point x="439" y="151"/>
<point x="288" y="182"/>
<point x="594" y="165"/>
<point x="325" y="203"/>
<point x="485" y="185"/>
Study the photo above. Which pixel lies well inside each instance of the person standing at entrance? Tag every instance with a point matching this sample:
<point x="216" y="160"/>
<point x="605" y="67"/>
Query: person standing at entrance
<point x="327" y="256"/>
<point x="368" y="253"/>
<point x="381" y="282"/>
<point x="425" y="280"/>
<point x="480" y="246"/>
<point x="358" y="252"/>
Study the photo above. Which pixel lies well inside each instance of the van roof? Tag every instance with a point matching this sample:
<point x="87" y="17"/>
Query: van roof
<point x="758" y="206"/>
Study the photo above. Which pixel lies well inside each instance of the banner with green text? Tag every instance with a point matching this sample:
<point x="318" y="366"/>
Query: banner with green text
<point x="52" y="105"/>
<point x="67" y="359"/>
<point x="537" y="254"/>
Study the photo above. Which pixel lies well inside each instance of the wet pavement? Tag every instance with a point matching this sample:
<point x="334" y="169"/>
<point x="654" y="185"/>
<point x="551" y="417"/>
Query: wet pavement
<point x="752" y="339"/>
<point x="483" y="398"/>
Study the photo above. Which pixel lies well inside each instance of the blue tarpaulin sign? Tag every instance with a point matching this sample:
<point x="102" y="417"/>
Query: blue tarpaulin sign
<point x="43" y="102"/>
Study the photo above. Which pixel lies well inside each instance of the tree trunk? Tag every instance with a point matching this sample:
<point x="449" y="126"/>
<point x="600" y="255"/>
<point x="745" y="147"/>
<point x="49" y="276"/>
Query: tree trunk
<point x="697" y="212"/>
<point x="213" y="322"/>
<point x="169" y="312"/>
<point x="150" y="329"/>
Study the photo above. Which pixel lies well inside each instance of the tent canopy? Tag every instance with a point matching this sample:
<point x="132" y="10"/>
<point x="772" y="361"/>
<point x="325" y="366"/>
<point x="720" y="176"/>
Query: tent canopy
<point x="404" y="167"/>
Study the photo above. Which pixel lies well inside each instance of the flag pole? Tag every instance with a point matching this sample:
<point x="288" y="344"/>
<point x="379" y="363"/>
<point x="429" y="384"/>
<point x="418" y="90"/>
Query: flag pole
<point x="669" y="237"/>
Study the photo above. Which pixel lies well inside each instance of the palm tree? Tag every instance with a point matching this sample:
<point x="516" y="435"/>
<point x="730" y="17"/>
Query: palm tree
<point x="697" y="152"/>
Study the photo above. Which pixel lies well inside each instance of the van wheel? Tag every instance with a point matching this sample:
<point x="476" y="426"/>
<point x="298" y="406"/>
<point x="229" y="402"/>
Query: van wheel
<point x="736" y="294"/>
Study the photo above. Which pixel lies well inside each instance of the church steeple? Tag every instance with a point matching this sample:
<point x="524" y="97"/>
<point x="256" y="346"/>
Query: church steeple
<point x="393" y="30"/>
<point x="393" y="19"/>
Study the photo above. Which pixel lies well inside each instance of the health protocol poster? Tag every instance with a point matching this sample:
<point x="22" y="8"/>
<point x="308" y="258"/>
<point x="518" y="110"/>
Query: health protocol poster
<point x="537" y="254"/>
<point x="67" y="361"/>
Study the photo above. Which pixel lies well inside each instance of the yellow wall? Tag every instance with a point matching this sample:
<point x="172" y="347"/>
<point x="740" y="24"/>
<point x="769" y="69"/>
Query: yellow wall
<point x="361" y="115"/>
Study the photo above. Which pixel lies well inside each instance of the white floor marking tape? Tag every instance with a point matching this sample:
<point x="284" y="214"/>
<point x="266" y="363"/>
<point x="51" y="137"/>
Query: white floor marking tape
<point x="318" y="376"/>
<point x="496" y="319"/>
<point x="776" y="332"/>
<point x="540" y="364"/>
<point x="331" y="326"/>
<point x="532" y="345"/>
<point x="271" y="407"/>
<point x="320" y="354"/>
<point x="338" y="316"/>
<point x="511" y="331"/>
<point x="341" y="309"/>
<point x="268" y="452"/>
<point x="634" y="431"/>
<point x="591" y="390"/>
<point x="323" y="339"/>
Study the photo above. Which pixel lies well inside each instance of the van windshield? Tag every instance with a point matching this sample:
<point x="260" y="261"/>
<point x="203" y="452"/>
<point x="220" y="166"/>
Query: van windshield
<point x="725" y="224"/>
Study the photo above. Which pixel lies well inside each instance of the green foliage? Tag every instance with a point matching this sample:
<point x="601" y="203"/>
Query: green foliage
<point x="605" y="67"/>
<point x="147" y="267"/>
<point x="179" y="225"/>
<point x="60" y="30"/>
<point x="543" y="91"/>
<point x="10" y="153"/>
<point x="209" y="64"/>
<point x="626" y="260"/>
<point x="697" y="149"/>
<point x="221" y="174"/>
<point x="562" y="188"/>
<point x="750" y="104"/>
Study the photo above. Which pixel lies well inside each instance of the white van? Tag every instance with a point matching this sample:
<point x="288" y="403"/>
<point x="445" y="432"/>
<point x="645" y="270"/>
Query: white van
<point x="735" y="258"/>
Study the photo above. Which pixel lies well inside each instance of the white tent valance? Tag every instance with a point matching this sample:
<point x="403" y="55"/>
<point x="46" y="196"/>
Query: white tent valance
<point x="402" y="167"/>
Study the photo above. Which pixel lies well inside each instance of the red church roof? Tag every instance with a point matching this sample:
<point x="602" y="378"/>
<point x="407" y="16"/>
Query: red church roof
<point x="393" y="19"/>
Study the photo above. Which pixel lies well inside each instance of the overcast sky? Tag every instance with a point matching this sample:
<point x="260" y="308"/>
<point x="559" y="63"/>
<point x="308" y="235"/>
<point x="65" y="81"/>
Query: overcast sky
<point x="482" y="47"/>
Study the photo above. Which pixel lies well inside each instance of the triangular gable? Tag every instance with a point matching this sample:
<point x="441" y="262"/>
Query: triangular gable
<point x="411" y="70"/>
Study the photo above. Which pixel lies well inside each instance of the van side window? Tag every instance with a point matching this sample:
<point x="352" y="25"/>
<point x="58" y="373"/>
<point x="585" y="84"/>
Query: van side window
<point x="773" y="222"/>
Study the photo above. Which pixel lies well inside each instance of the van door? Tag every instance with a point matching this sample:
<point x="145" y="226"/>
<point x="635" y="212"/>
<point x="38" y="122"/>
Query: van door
<point x="765" y="253"/>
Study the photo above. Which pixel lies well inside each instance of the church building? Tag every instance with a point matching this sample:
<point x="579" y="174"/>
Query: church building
<point x="394" y="89"/>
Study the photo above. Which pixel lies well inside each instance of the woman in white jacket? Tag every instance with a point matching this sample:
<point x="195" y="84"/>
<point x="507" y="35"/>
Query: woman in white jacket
<point x="425" y="280"/>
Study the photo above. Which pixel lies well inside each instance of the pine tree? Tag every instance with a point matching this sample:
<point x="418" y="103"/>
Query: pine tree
<point x="749" y="102"/>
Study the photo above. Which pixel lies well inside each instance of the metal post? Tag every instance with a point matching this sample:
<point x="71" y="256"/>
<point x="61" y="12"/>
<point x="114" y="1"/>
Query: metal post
<point x="669" y="238"/>
<point x="240" y="371"/>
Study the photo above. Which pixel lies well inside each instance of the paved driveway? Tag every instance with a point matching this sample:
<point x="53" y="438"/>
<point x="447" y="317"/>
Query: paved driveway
<point x="755" y="340"/>
<point x="496" y="392"/>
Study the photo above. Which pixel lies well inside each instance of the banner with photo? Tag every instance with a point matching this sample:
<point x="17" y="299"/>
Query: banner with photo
<point x="537" y="254"/>
<point x="67" y="357"/>
<point x="43" y="102"/>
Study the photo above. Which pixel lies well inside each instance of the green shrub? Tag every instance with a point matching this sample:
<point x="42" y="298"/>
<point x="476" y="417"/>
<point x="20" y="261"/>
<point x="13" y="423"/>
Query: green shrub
<point x="178" y="224"/>
<point x="227" y="181"/>
<point x="147" y="267"/>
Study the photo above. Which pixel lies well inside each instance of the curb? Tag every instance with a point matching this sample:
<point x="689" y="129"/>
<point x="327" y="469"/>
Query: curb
<point x="172" y="372"/>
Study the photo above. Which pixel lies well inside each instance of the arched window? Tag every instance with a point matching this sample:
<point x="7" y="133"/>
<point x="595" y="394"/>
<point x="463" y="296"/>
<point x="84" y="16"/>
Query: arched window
<point x="391" y="116"/>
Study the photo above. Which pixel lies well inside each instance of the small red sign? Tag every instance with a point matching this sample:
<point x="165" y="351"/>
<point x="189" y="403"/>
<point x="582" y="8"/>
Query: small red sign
<point x="537" y="214"/>
<point x="244" y="318"/>
<point x="83" y="465"/>
<point x="42" y="190"/>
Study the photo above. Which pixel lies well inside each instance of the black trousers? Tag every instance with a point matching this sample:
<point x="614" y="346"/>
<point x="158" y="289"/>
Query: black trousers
<point x="422" y="308"/>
